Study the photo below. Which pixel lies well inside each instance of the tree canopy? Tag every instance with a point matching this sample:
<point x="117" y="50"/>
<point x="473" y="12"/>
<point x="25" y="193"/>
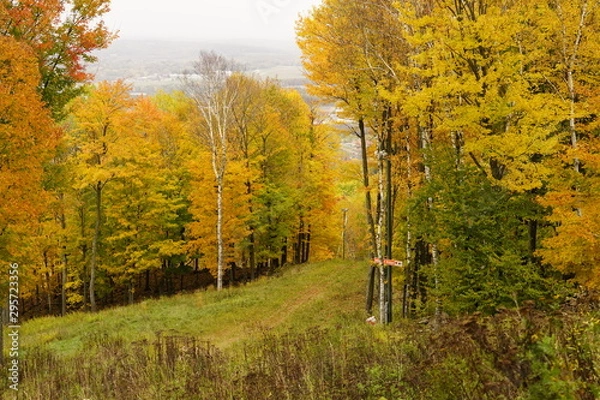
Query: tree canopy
<point x="492" y="118"/>
<point x="476" y="131"/>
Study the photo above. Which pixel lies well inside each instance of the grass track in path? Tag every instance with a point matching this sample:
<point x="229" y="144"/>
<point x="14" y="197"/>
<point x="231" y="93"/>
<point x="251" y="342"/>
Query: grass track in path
<point x="322" y="294"/>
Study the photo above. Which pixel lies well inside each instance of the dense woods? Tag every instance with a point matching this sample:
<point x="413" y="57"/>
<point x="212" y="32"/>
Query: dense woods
<point x="134" y="208"/>
<point x="478" y="131"/>
<point x="474" y="163"/>
<point x="487" y="112"/>
<point x="111" y="196"/>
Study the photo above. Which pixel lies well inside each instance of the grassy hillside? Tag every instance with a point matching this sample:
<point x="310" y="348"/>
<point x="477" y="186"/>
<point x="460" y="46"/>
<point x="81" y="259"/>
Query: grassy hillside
<point x="322" y="294"/>
<point x="301" y="335"/>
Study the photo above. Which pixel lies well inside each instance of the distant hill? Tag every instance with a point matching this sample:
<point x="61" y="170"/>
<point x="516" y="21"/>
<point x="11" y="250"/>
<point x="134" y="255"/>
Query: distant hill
<point x="151" y="65"/>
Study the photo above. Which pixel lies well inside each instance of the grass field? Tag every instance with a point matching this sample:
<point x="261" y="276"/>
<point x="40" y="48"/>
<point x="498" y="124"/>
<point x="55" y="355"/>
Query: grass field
<point x="301" y="335"/>
<point x="324" y="294"/>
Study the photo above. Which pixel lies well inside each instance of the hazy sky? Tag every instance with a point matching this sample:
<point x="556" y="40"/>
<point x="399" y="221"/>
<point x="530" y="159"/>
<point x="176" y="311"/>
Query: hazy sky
<point x="207" y="19"/>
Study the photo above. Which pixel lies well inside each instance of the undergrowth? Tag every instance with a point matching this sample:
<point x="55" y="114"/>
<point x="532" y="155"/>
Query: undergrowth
<point x="516" y="354"/>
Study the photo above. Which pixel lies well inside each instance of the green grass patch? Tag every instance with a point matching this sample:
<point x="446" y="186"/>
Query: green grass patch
<point x="321" y="294"/>
<point x="302" y="335"/>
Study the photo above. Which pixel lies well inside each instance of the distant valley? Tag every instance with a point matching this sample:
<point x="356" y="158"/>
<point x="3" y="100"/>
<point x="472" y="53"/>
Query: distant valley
<point x="152" y="65"/>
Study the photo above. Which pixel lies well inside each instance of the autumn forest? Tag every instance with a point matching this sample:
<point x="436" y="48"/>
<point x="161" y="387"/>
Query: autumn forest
<point x="481" y="117"/>
<point x="479" y="169"/>
<point x="219" y="241"/>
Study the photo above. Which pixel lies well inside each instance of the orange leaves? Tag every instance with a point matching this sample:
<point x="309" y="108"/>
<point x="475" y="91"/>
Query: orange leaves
<point x="27" y="135"/>
<point x="573" y="198"/>
<point x="575" y="248"/>
<point x="350" y="52"/>
<point x="62" y="34"/>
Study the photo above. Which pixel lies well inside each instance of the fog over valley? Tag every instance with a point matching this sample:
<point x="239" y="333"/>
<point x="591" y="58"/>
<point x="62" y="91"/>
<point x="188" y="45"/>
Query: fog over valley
<point x="151" y="64"/>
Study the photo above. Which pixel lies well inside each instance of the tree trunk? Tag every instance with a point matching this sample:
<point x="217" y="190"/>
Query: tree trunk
<point x="64" y="271"/>
<point x="426" y="139"/>
<point x="306" y="248"/>
<point x="435" y="261"/>
<point x="130" y="290"/>
<point x="252" y="257"/>
<point x="219" y="232"/>
<point x="298" y="246"/>
<point x="379" y="233"/>
<point x="85" y="288"/>
<point x="84" y="250"/>
<point x="48" y="284"/>
<point x="382" y="305"/>
<point x="371" y="289"/>
<point x="421" y="257"/>
<point x="389" y="205"/>
<point x="251" y="235"/>
<point x="95" y="240"/>
<point x="408" y="238"/>
<point x="408" y="262"/>
<point x="284" y="252"/>
<point x="533" y="225"/>
<point x="63" y="284"/>
<point x="368" y="199"/>
<point x="570" y="62"/>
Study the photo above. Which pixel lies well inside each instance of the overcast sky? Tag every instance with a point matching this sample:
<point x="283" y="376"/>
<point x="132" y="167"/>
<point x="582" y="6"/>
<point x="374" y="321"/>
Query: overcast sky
<point x="207" y="19"/>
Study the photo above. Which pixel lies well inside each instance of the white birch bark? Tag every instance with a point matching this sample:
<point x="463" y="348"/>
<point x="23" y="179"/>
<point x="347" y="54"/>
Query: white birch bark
<point x="379" y="234"/>
<point x="214" y="94"/>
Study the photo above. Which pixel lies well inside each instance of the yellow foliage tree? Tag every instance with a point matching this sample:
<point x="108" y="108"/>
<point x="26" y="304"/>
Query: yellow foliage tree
<point x="571" y="67"/>
<point x="99" y="122"/>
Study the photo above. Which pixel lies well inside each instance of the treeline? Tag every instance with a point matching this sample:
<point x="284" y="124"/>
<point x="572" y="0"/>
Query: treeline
<point x="152" y="187"/>
<point x="108" y="197"/>
<point x="143" y="197"/>
<point x="482" y="117"/>
<point x="134" y="206"/>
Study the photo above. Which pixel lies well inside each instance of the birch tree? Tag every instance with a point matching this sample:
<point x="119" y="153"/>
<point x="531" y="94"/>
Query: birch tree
<point x="213" y="94"/>
<point x="351" y="50"/>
